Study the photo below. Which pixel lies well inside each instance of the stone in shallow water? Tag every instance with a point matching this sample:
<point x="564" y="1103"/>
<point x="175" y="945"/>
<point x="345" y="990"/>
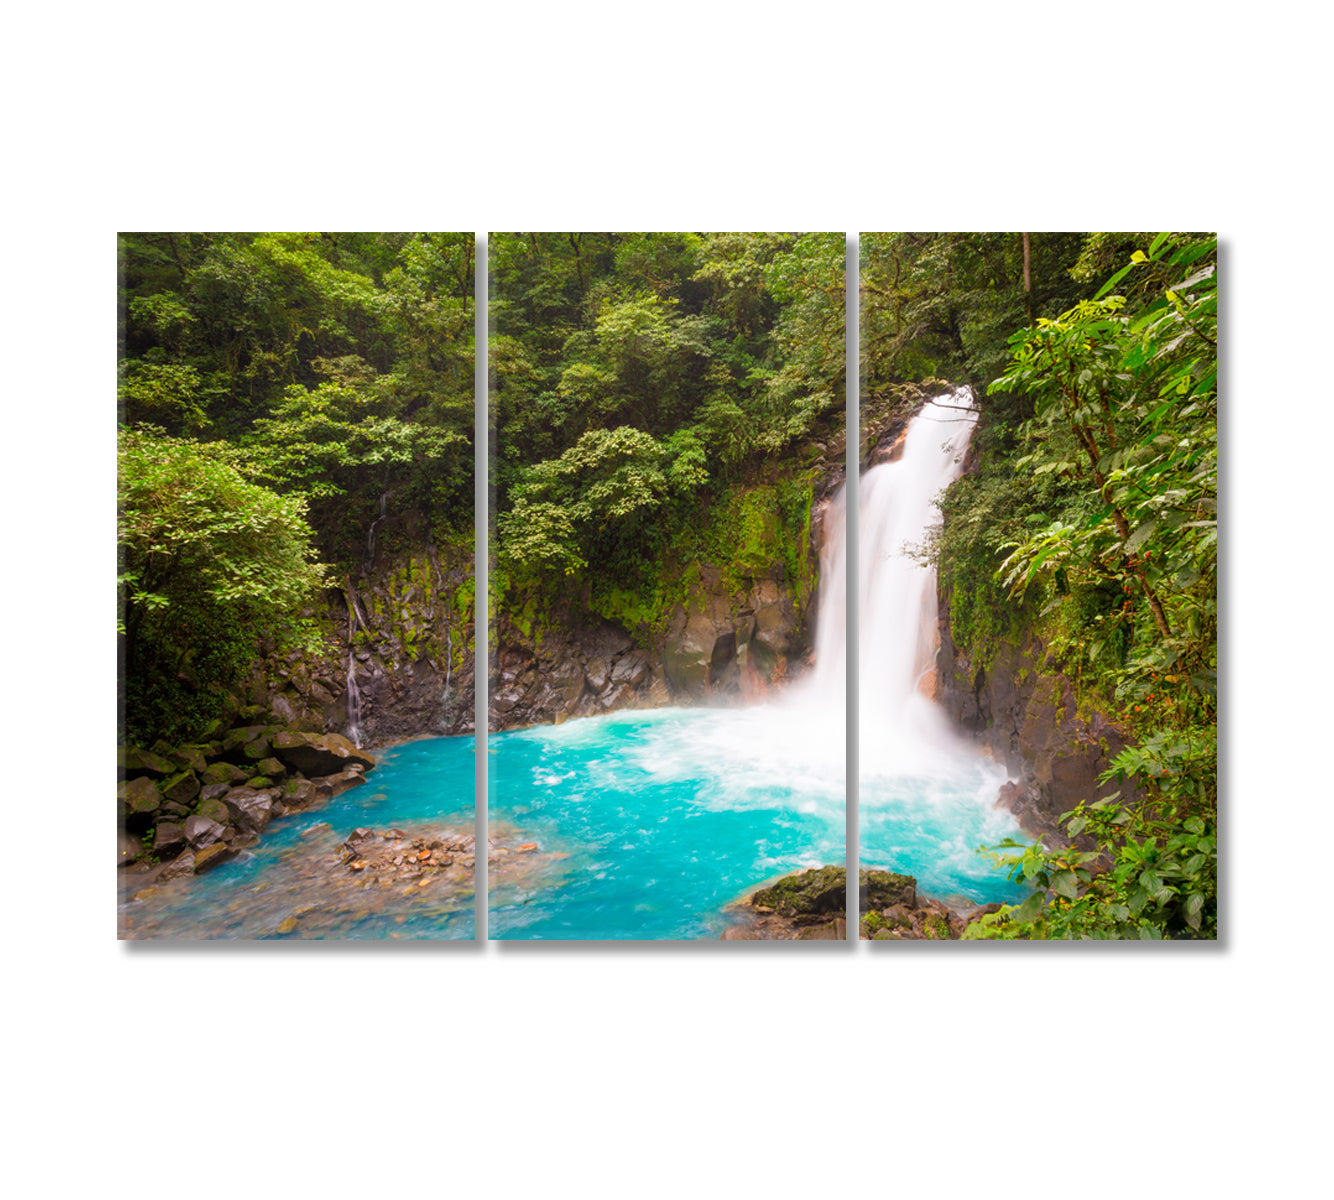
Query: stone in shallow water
<point x="200" y="831"/>
<point x="210" y="856"/>
<point x="183" y="864"/>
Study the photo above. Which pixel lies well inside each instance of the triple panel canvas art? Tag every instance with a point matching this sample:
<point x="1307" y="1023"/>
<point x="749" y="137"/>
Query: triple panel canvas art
<point x="1023" y="568"/>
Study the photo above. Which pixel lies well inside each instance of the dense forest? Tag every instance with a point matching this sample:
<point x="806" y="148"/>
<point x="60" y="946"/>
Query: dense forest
<point x="275" y="389"/>
<point x="1089" y="518"/>
<point x="658" y="400"/>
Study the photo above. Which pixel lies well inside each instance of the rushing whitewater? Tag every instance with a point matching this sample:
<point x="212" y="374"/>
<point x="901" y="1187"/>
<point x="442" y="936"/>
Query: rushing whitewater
<point x="926" y="796"/>
<point x="900" y="725"/>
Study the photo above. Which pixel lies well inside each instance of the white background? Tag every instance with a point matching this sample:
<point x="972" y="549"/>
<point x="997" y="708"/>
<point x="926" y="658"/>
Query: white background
<point x="695" y="1070"/>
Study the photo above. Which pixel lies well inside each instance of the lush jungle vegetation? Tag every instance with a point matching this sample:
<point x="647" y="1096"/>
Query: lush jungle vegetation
<point x="664" y="399"/>
<point x="657" y="399"/>
<point x="1091" y="518"/>
<point x="273" y="389"/>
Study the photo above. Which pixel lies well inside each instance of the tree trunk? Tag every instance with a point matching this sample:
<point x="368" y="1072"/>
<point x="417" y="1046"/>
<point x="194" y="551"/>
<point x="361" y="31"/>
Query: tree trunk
<point x="1028" y="282"/>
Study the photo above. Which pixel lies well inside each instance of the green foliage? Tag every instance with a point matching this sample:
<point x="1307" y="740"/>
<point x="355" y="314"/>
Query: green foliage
<point x="1125" y="406"/>
<point x="1126" y="401"/>
<point x="336" y="366"/>
<point x="638" y="381"/>
<point x="208" y="563"/>
<point x="1156" y="873"/>
<point x="944" y="304"/>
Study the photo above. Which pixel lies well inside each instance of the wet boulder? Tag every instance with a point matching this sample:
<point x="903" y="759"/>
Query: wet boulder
<point x="298" y="792"/>
<point x="251" y="810"/>
<point x="200" y="831"/>
<point x="319" y="754"/>
<point x="328" y="786"/>
<point x="212" y="855"/>
<point x="182" y="864"/>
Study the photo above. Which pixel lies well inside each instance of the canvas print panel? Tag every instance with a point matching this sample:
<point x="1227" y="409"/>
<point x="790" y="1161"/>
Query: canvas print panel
<point x="667" y="733"/>
<point x="1038" y="586"/>
<point x="295" y="529"/>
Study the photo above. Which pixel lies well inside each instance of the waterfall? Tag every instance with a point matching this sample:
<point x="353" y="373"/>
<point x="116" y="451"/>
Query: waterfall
<point x="369" y="560"/>
<point x="353" y="700"/>
<point x="353" y="692"/>
<point x="901" y="729"/>
<point x="449" y="664"/>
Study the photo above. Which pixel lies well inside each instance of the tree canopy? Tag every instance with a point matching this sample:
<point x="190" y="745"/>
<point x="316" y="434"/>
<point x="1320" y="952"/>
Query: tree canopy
<point x="636" y="377"/>
<point x="276" y="392"/>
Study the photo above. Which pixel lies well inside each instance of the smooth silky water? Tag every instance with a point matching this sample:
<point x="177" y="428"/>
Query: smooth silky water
<point x="926" y="797"/>
<point x="295" y="873"/>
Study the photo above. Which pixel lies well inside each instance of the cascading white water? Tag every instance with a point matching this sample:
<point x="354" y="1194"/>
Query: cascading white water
<point x="449" y="666"/>
<point x="368" y="559"/>
<point x="353" y="691"/>
<point x="900" y="727"/>
<point x="353" y="701"/>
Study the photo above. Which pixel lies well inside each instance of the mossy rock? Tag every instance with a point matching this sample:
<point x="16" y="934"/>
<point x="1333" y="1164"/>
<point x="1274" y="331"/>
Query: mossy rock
<point x="936" y="928"/>
<point x="222" y="772"/>
<point x="134" y="762"/>
<point x="214" y="810"/>
<point x="885" y="889"/>
<point x="271" y="768"/>
<point x="141" y="795"/>
<point x="819" y="890"/>
<point x="181" y="788"/>
<point x="190" y="758"/>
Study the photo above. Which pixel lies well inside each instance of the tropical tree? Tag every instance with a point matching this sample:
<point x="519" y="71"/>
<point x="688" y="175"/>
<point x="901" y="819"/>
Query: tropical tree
<point x="209" y="564"/>
<point x="1125" y="399"/>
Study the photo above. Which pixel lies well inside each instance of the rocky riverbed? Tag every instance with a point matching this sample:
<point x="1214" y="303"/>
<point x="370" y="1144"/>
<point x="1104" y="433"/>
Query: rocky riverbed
<point x="182" y="810"/>
<point x="394" y="883"/>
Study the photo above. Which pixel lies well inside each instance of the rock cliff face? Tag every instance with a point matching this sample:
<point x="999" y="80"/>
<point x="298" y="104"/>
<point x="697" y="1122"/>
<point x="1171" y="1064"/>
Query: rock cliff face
<point x="399" y="657"/>
<point x="1028" y="716"/>
<point x="727" y="639"/>
<point x="718" y="645"/>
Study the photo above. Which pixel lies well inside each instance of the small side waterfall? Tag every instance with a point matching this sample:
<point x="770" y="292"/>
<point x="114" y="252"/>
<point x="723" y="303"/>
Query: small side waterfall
<point x="354" y="618"/>
<point x="449" y="665"/>
<point x="353" y="701"/>
<point x="368" y="560"/>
